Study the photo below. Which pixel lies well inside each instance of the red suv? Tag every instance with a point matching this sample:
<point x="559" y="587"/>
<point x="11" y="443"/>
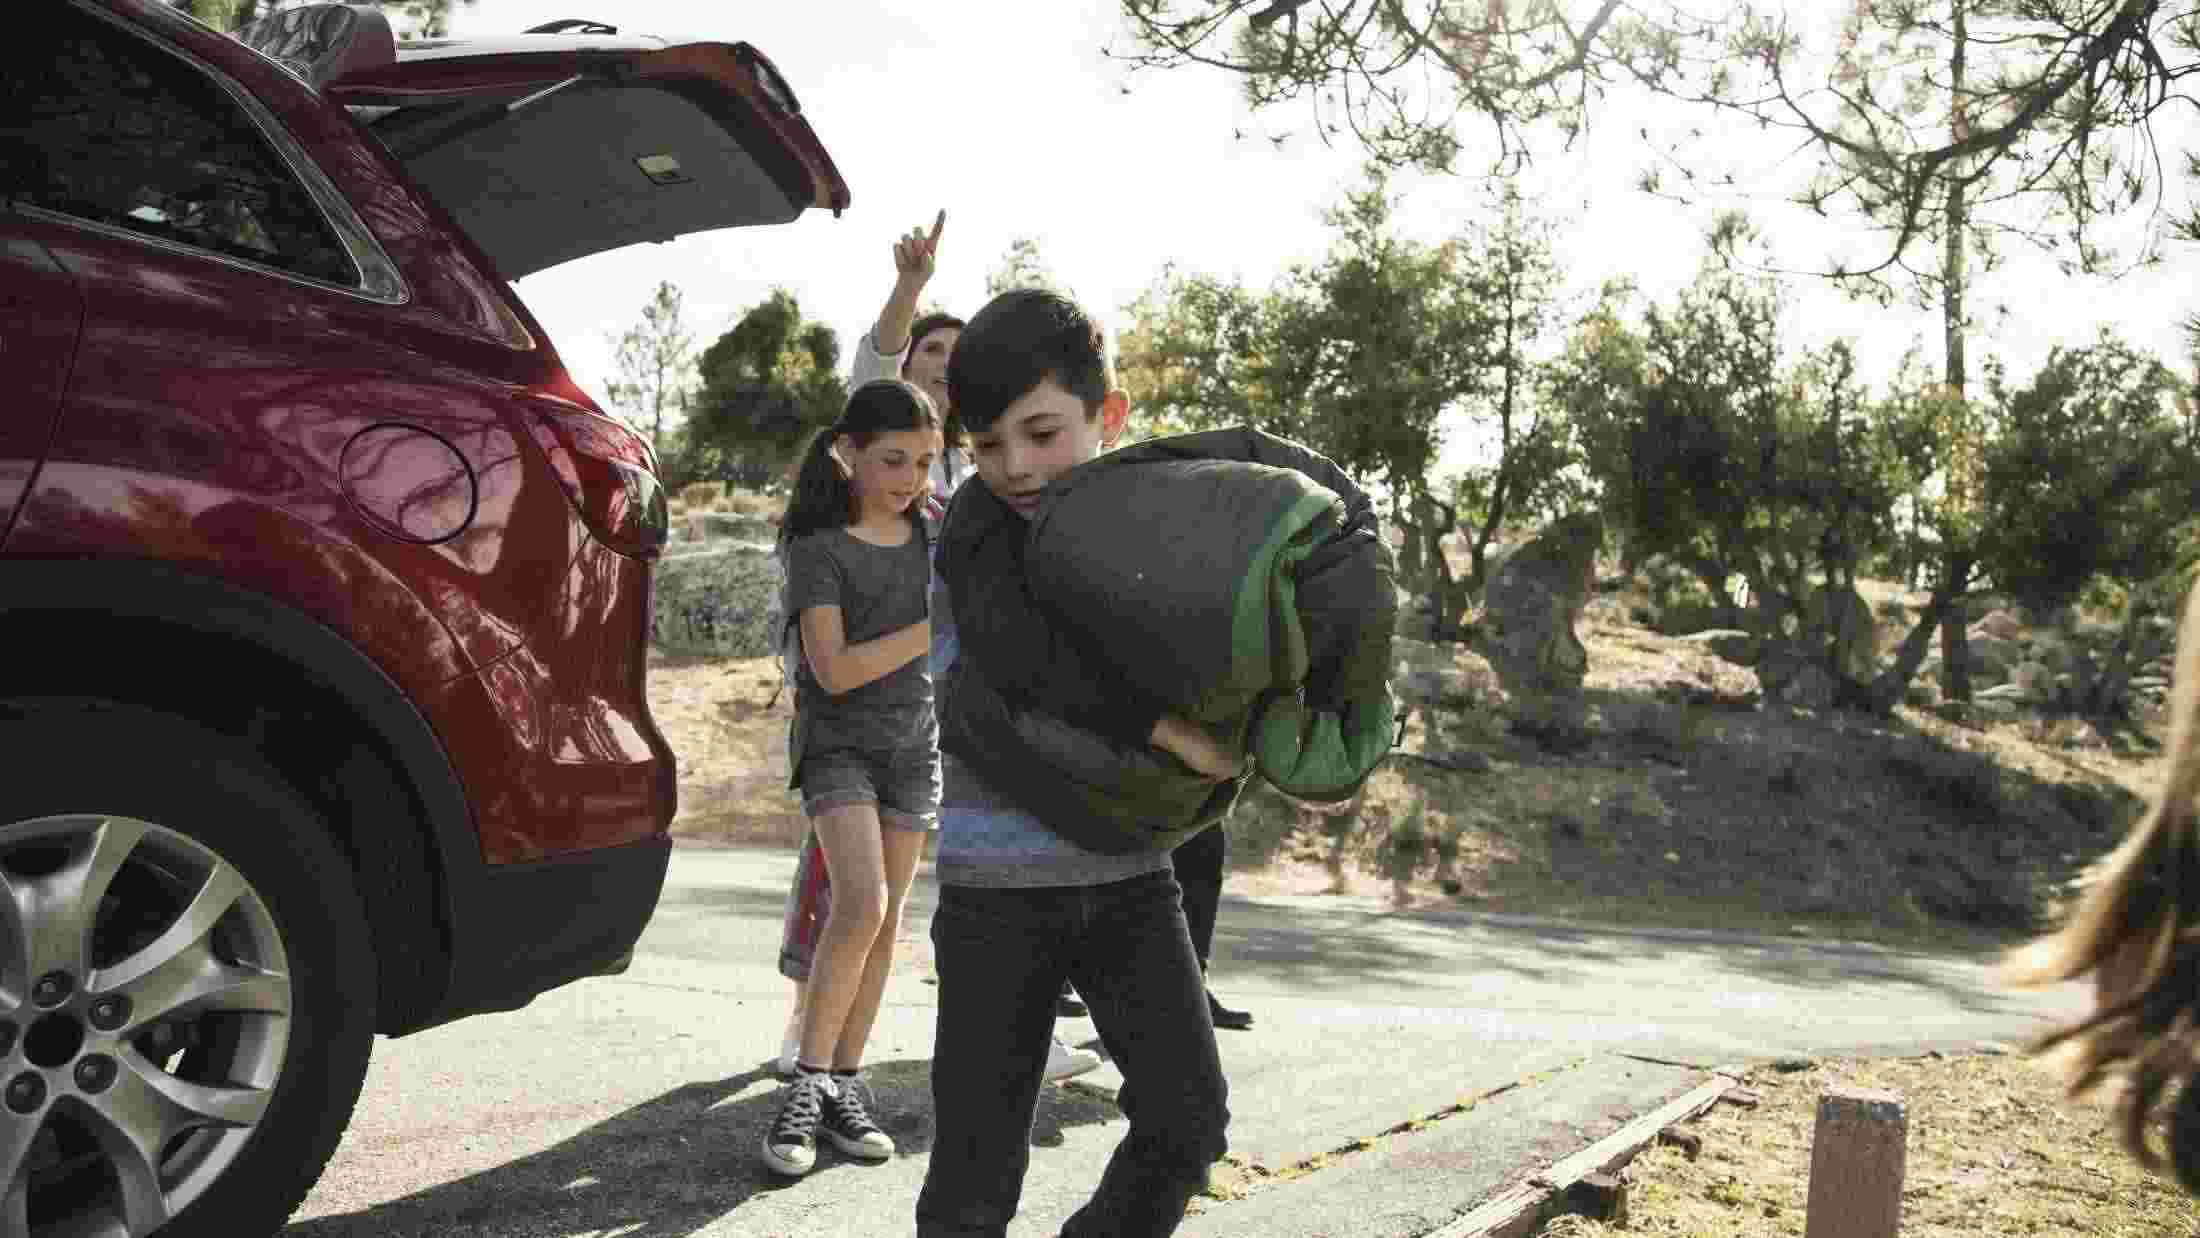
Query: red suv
<point x="324" y="591"/>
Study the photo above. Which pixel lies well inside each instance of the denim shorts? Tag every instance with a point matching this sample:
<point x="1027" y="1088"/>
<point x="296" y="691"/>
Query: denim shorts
<point x="905" y="784"/>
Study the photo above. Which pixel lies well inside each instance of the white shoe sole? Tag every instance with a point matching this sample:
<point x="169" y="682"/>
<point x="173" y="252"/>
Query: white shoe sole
<point x="796" y="1164"/>
<point x="859" y="1149"/>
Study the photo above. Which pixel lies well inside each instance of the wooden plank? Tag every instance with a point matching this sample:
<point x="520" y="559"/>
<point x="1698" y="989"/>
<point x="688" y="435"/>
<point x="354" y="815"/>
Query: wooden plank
<point x="1507" y="1216"/>
<point x="1519" y="1210"/>
<point x="1619" y="1147"/>
<point x="1858" y="1154"/>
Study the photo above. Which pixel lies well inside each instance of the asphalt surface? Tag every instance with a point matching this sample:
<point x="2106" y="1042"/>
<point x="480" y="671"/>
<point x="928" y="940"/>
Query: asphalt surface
<point x="1403" y="1066"/>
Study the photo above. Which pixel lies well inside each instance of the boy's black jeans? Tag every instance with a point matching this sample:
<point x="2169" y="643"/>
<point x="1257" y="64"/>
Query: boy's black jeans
<point x="1001" y="956"/>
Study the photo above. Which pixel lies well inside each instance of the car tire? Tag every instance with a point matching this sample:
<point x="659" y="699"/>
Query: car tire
<point x="254" y="1004"/>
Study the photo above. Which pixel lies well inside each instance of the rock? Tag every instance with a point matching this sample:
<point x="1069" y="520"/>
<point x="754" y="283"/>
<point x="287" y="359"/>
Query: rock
<point x="2034" y="681"/>
<point x="1994" y="656"/>
<point x="2053" y="652"/>
<point x="1533" y="602"/>
<point x="1689" y="1142"/>
<point x="1732" y="644"/>
<point x="722" y="601"/>
<point x="1999" y="624"/>
<point x="1791" y="679"/>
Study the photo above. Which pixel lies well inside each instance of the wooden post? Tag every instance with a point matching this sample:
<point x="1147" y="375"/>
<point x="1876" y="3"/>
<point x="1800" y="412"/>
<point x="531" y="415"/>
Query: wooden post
<point x="1857" y="1158"/>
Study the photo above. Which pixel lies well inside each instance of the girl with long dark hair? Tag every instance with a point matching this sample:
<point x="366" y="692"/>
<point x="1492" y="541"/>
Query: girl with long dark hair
<point x="2136" y="932"/>
<point x="864" y="744"/>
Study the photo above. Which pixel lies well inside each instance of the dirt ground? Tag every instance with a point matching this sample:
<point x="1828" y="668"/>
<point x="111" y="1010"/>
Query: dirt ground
<point x="1993" y="1149"/>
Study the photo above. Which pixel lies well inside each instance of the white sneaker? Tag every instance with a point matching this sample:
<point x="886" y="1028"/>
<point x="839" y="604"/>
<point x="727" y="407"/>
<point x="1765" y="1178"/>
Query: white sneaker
<point x="1064" y="1062"/>
<point x="790" y="1149"/>
<point x="848" y="1122"/>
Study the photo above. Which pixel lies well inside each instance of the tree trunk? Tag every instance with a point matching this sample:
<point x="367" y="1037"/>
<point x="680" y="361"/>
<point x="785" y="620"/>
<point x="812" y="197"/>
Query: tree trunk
<point x="1895" y="680"/>
<point x="1409" y="555"/>
<point x="1955" y="637"/>
<point x="1955" y="644"/>
<point x="2105" y="695"/>
<point x="1432" y="519"/>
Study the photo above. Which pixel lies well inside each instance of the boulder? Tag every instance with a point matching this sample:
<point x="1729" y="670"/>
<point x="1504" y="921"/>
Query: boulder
<point x="1788" y="678"/>
<point x="721" y="601"/>
<point x="2034" y="681"/>
<point x="2054" y="653"/>
<point x="1732" y="644"/>
<point x="1534" y="600"/>
<point x="1994" y="656"/>
<point x="1999" y="624"/>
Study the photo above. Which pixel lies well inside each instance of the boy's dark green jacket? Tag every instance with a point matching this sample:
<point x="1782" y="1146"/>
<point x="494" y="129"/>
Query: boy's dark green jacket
<point x="1231" y="577"/>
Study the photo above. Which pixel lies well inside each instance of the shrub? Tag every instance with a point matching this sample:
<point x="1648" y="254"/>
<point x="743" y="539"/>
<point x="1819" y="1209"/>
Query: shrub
<point x="702" y="493"/>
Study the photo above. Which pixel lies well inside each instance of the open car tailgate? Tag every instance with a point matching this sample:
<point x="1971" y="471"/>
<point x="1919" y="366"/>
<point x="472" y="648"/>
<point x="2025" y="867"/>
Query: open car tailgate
<point x="551" y="148"/>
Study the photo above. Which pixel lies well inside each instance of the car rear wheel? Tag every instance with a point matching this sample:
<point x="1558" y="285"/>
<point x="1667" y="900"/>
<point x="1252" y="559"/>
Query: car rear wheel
<point x="186" y="984"/>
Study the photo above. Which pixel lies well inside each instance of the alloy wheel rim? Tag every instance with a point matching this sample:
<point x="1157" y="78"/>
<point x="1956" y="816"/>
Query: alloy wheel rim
<point x="145" y="1010"/>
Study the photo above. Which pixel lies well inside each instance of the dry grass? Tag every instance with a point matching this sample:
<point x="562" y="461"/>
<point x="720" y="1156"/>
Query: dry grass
<point x="717" y="496"/>
<point x="1994" y="1149"/>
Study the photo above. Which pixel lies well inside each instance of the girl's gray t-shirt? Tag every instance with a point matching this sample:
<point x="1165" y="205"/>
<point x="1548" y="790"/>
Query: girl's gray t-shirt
<point x="879" y="590"/>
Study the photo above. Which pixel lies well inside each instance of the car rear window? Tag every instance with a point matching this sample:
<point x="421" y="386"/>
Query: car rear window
<point x="112" y="130"/>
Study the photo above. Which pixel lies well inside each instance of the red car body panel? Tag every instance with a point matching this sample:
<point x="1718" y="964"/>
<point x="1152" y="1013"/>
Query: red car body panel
<point x="40" y="314"/>
<point x="368" y="461"/>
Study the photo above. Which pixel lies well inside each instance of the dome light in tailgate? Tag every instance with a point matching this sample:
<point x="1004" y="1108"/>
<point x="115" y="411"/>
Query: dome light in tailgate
<point x="768" y="79"/>
<point x="608" y="472"/>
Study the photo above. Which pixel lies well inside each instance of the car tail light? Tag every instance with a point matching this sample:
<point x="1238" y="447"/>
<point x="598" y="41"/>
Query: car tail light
<point x="608" y="472"/>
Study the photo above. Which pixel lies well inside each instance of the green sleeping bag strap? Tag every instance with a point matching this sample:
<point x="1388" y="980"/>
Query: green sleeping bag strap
<point x="1322" y="755"/>
<point x="1319" y="754"/>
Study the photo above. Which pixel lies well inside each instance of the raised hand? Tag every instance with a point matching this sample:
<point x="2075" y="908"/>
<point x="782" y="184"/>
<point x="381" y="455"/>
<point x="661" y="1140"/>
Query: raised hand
<point x="914" y="254"/>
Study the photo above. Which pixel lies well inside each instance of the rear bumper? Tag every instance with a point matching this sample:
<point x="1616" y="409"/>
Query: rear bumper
<point x="550" y="922"/>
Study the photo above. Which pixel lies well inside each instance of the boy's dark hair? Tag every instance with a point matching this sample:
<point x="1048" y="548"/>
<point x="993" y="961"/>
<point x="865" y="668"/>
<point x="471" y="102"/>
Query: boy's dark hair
<point x="1022" y="338"/>
<point x="822" y="498"/>
<point x="950" y="425"/>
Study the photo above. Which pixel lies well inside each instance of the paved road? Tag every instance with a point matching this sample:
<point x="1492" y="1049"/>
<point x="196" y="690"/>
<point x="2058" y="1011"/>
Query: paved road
<point x="632" y="1106"/>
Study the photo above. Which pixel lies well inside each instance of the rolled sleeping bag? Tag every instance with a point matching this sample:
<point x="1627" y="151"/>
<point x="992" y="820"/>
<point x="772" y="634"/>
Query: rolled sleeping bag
<point x="1186" y="571"/>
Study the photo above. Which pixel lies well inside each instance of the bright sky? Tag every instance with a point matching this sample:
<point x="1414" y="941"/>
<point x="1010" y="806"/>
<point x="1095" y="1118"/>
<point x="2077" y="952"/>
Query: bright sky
<point x="1006" y="113"/>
